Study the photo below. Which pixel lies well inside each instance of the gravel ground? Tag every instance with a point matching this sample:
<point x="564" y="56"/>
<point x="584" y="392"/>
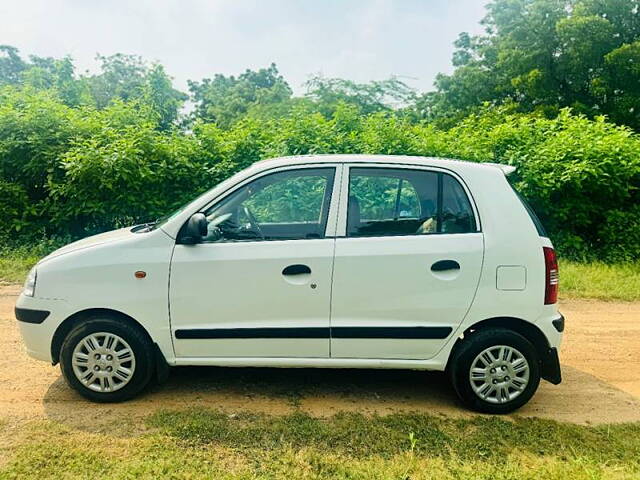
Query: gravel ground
<point x="600" y="357"/>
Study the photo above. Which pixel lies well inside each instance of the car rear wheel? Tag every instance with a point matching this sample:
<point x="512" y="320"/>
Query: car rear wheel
<point x="495" y="371"/>
<point x="107" y="360"/>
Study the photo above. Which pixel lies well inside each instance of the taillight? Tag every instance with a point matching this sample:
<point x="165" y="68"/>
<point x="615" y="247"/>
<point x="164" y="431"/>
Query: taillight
<point x="550" y="276"/>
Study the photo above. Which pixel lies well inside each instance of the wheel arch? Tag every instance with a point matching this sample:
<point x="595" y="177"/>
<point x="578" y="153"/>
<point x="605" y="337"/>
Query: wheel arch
<point x="73" y="320"/>
<point x="527" y="329"/>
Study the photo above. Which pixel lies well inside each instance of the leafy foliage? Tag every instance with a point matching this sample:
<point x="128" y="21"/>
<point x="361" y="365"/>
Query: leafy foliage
<point x="545" y="55"/>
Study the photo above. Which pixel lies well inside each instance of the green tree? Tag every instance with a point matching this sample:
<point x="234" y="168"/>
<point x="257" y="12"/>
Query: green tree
<point x="545" y="55"/>
<point x="371" y="97"/>
<point x="11" y="65"/>
<point x="620" y="83"/>
<point x="224" y="100"/>
<point x="129" y="78"/>
<point x="159" y="94"/>
<point x="121" y="77"/>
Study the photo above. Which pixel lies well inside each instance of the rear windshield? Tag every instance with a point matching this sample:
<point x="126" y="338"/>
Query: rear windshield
<point x="534" y="218"/>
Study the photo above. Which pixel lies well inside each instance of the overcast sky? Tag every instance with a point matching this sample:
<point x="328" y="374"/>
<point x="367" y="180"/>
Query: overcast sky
<point x="356" y="39"/>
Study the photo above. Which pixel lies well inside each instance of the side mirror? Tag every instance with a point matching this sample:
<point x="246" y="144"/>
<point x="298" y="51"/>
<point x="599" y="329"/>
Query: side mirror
<point x="195" y="229"/>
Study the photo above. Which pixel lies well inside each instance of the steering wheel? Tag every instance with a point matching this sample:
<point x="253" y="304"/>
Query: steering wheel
<point x="253" y="223"/>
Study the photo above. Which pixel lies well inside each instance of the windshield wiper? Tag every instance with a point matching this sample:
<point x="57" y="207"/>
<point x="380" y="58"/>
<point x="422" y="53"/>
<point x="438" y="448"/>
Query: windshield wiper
<point x="144" y="227"/>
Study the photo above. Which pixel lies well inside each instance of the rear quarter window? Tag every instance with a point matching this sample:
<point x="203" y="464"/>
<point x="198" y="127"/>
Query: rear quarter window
<point x="532" y="214"/>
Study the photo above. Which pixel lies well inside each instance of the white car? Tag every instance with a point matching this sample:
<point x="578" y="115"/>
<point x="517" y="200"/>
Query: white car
<point x="346" y="261"/>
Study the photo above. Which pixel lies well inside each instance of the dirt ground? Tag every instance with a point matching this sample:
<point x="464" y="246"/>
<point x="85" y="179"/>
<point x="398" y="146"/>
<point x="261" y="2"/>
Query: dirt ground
<point x="600" y="357"/>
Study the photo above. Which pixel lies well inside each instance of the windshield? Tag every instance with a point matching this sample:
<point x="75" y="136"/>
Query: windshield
<point x="165" y="218"/>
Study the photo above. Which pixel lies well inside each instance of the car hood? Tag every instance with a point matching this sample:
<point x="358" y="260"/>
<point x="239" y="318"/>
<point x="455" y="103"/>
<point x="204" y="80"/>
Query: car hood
<point x="92" y="241"/>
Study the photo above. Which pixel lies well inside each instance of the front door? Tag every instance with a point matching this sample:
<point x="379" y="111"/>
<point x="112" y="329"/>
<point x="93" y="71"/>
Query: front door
<point x="408" y="265"/>
<point x="259" y="284"/>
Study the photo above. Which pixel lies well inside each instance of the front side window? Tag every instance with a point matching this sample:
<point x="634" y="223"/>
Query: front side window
<point x="386" y="201"/>
<point x="289" y="205"/>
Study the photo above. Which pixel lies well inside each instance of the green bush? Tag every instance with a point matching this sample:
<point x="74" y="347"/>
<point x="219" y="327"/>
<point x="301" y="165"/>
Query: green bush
<point x="581" y="176"/>
<point x="74" y="171"/>
<point x="620" y="234"/>
<point x="15" y="207"/>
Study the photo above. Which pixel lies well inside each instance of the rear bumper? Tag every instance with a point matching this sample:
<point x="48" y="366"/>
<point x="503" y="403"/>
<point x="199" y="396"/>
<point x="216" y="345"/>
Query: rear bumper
<point x="551" y="367"/>
<point x="550" y="362"/>
<point x="558" y="323"/>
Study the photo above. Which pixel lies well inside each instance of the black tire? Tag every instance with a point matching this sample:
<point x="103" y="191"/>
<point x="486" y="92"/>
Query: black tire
<point x="139" y="344"/>
<point x="471" y="347"/>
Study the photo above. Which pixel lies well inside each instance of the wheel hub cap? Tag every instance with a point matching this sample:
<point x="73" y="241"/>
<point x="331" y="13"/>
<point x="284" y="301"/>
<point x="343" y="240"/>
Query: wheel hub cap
<point x="499" y="374"/>
<point x="103" y="362"/>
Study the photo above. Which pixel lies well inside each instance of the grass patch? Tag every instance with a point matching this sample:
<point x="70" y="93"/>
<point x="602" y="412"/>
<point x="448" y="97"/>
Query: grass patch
<point x="209" y="444"/>
<point x="15" y="262"/>
<point x="14" y="266"/>
<point x="356" y="435"/>
<point x="600" y="281"/>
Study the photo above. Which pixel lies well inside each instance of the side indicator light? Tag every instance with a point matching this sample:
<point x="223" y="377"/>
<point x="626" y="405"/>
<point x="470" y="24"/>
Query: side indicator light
<point x="140" y="274"/>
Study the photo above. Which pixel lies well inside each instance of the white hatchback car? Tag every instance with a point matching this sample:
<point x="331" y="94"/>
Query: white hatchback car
<point x="343" y="261"/>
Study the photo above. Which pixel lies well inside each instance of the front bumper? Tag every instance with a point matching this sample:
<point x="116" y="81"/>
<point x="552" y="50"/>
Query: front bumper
<point x="29" y="315"/>
<point x="36" y="328"/>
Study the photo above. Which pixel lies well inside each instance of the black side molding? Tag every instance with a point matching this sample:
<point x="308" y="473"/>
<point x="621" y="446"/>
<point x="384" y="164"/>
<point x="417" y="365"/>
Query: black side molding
<point x="28" y="315"/>
<point x="317" y="332"/>
<point x="423" y="333"/>
<point x="211" y="333"/>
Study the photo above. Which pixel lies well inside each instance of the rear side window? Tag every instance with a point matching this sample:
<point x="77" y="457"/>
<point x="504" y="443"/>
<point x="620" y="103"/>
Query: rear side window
<point x="387" y="202"/>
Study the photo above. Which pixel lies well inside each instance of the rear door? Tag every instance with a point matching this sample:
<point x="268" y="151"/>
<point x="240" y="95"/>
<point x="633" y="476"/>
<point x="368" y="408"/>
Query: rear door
<point x="407" y="262"/>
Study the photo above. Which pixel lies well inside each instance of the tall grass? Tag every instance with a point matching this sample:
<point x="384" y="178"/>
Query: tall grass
<point x="16" y="261"/>
<point x="600" y="280"/>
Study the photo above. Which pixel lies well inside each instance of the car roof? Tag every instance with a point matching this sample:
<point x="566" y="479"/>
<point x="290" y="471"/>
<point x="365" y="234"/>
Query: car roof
<point x="447" y="163"/>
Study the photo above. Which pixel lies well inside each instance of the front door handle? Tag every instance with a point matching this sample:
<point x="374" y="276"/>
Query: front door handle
<point x="296" y="269"/>
<point x="443" y="265"/>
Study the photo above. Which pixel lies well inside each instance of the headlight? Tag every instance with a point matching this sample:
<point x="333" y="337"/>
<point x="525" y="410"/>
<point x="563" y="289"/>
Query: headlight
<point x="30" y="283"/>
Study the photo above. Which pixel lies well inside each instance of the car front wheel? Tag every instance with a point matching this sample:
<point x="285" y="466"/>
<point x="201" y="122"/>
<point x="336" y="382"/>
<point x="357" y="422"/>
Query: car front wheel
<point x="106" y="360"/>
<point x="495" y="371"/>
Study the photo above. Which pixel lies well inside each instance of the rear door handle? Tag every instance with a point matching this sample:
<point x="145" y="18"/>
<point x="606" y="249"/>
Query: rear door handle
<point x="296" y="269"/>
<point x="443" y="265"/>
